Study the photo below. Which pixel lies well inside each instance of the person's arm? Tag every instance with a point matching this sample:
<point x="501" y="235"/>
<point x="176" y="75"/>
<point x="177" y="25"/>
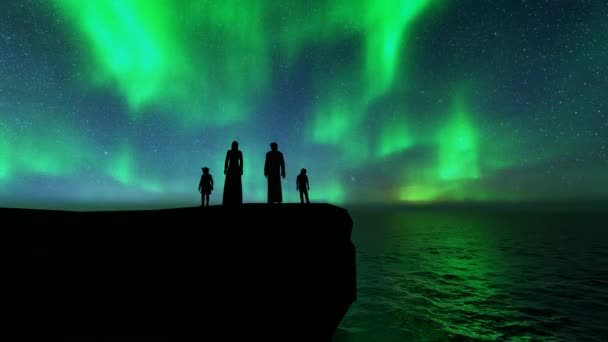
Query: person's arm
<point x="298" y="183"/>
<point x="211" y="179"/>
<point x="266" y="166"/>
<point x="307" y="185"/>
<point x="200" y="184"/>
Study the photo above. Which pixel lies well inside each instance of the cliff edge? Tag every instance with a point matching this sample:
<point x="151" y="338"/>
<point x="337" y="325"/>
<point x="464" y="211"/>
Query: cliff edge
<point x="280" y="272"/>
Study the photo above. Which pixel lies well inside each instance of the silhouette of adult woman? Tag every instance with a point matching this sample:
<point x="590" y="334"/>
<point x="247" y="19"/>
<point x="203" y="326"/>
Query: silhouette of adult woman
<point x="233" y="169"/>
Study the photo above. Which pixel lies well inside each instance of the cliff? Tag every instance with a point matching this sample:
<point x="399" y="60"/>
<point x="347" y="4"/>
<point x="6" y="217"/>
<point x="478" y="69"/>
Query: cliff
<point x="281" y="272"/>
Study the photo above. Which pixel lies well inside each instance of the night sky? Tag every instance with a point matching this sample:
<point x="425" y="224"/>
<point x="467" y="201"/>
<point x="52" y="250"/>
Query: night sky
<point x="121" y="102"/>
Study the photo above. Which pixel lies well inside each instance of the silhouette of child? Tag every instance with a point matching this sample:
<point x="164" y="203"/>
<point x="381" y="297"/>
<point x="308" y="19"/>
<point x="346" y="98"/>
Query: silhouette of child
<point x="205" y="186"/>
<point x="302" y="186"/>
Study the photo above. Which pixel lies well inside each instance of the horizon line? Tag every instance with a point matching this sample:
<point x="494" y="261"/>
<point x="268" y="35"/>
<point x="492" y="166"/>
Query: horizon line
<point x="582" y="203"/>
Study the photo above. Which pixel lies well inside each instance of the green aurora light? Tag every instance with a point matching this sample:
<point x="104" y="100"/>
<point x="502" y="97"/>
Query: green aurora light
<point x="131" y="97"/>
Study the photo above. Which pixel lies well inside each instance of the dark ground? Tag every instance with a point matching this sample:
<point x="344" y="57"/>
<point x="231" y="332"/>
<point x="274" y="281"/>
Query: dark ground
<point x="276" y="272"/>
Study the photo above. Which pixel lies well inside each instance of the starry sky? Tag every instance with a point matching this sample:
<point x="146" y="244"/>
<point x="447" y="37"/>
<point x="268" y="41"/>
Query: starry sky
<point x="121" y="102"/>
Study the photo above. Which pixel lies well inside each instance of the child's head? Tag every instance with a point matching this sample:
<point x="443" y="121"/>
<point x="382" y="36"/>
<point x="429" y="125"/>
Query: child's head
<point x="303" y="171"/>
<point x="205" y="170"/>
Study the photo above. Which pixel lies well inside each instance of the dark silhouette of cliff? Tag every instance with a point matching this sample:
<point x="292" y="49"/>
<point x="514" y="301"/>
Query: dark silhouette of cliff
<point x="252" y="271"/>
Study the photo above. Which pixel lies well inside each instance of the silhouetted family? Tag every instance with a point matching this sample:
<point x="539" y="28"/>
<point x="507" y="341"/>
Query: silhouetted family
<point x="274" y="170"/>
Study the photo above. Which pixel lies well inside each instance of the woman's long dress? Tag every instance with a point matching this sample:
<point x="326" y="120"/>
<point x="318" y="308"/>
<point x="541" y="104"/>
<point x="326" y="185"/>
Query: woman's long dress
<point x="233" y="188"/>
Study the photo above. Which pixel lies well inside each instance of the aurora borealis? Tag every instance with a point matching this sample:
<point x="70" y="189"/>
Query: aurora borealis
<point x="123" y="101"/>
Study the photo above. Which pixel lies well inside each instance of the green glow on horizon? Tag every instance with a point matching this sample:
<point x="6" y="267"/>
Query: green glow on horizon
<point x="418" y="193"/>
<point x="457" y="162"/>
<point x="330" y="193"/>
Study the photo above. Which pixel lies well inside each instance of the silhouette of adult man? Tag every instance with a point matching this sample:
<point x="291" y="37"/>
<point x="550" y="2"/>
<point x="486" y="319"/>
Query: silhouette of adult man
<point x="274" y="169"/>
<point x="233" y="169"/>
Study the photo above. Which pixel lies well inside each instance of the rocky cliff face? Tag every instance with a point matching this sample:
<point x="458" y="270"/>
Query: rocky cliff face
<point x="280" y="272"/>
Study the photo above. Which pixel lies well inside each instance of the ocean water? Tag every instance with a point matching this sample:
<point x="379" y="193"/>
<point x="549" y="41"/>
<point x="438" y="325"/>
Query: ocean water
<point x="460" y="274"/>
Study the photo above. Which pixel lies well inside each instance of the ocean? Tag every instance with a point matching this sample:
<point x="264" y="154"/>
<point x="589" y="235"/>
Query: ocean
<point x="469" y="274"/>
